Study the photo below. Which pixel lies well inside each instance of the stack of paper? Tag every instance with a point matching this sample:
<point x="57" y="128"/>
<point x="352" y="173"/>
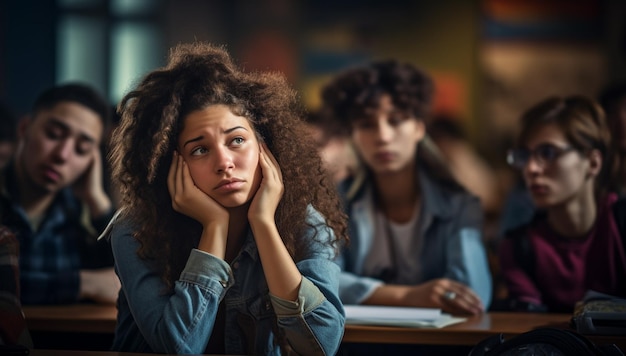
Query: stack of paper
<point x="399" y="316"/>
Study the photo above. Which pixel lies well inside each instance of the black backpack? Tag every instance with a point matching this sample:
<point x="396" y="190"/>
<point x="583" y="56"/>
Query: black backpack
<point x="543" y="341"/>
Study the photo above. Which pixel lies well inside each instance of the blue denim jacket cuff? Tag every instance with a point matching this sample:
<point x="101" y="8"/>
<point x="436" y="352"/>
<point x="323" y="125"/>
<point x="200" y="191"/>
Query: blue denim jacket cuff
<point x="309" y="298"/>
<point x="206" y="270"/>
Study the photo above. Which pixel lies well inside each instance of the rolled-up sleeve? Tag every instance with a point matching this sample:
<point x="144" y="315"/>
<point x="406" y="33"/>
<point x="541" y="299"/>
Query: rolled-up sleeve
<point x="180" y="322"/>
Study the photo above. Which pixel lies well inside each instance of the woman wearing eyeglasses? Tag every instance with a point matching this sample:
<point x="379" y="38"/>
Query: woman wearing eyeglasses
<point x="572" y="244"/>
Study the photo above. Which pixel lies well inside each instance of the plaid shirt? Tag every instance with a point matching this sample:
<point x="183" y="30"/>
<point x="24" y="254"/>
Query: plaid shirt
<point x="12" y="324"/>
<point x="52" y="256"/>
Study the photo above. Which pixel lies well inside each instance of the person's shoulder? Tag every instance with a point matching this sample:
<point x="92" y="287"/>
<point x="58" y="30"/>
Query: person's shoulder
<point x="344" y="185"/>
<point x="119" y="225"/>
<point x="460" y="197"/>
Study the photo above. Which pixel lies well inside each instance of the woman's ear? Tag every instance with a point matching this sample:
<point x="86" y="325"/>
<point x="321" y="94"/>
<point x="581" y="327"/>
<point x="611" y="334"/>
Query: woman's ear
<point x="595" y="162"/>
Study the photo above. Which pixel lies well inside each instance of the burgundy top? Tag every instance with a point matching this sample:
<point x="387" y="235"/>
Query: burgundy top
<point x="565" y="268"/>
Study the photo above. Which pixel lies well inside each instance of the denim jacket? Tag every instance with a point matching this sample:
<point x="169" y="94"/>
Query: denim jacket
<point x="182" y="322"/>
<point x="451" y="232"/>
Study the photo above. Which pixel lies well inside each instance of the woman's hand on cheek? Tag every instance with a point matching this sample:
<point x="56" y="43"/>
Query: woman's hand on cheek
<point x="267" y="197"/>
<point x="190" y="200"/>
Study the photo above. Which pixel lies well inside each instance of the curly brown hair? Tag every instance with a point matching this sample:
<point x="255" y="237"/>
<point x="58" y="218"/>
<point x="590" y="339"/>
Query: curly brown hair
<point x="352" y="93"/>
<point x="199" y="75"/>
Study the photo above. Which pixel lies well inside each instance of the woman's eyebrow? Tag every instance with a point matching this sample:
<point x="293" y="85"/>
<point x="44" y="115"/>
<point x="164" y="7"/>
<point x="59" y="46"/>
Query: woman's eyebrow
<point x="202" y="136"/>
<point x="193" y="140"/>
<point x="234" y="128"/>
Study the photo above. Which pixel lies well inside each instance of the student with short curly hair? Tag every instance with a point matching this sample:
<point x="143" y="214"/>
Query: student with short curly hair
<point x="228" y="225"/>
<point x="415" y="232"/>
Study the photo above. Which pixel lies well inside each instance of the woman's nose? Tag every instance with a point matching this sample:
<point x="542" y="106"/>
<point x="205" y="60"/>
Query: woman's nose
<point x="224" y="160"/>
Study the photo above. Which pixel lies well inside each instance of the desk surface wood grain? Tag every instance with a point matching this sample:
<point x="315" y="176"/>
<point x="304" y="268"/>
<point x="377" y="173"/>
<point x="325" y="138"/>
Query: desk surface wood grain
<point x="89" y="318"/>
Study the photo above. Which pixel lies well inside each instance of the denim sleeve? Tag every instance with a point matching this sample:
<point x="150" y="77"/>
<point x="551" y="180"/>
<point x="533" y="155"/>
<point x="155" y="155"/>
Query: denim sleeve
<point x="314" y="323"/>
<point x="354" y="289"/>
<point x="467" y="256"/>
<point x="180" y="322"/>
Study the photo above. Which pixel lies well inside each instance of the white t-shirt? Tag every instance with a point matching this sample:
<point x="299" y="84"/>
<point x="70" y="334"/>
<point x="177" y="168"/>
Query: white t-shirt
<point x="406" y="241"/>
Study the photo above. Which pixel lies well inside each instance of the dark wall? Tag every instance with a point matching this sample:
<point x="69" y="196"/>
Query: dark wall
<point x="27" y="40"/>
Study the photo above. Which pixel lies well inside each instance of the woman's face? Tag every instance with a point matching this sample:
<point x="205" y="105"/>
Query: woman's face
<point x="222" y="152"/>
<point x="387" y="140"/>
<point x="563" y="174"/>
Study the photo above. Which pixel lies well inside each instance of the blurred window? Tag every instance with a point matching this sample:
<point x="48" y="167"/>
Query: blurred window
<point x="108" y="44"/>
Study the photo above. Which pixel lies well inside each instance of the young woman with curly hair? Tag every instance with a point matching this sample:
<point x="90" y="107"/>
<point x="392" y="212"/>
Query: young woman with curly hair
<point x="228" y="226"/>
<point x="415" y="233"/>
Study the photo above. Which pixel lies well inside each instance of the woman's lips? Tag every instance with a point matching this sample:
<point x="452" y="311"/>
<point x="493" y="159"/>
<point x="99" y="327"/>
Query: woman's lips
<point x="230" y="186"/>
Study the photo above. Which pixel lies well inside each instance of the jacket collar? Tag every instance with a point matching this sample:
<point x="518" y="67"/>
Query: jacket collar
<point x="435" y="196"/>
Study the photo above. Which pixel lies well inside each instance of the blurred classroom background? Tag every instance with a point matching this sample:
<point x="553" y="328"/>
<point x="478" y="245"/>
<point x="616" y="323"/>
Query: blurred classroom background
<point x="490" y="59"/>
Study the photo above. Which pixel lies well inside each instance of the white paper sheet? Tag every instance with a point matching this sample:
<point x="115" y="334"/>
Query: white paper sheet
<point x="398" y="316"/>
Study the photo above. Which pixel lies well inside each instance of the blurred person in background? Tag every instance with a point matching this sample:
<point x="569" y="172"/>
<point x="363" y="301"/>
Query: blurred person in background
<point x="8" y="135"/>
<point x="334" y="148"/>
<point x="575" y="241"/>
<point x="53" y="199"/>
<point x="416" y="233"/>
<point x="13" y="329"/>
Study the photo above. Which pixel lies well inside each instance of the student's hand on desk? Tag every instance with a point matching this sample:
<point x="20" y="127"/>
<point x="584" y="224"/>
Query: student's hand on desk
<point x="451" y="296"/>
<point x="101" y="286"/>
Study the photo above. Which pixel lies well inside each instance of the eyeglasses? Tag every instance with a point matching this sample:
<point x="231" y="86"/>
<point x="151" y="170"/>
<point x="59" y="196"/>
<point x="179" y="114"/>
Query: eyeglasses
<point x="543" y="154"/>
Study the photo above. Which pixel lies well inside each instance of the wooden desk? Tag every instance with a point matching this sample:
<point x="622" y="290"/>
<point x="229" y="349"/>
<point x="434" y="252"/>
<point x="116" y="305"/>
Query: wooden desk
<point x="469" y="333"/>
<point x="80" y="318"/>
<point x="88" y="318"/>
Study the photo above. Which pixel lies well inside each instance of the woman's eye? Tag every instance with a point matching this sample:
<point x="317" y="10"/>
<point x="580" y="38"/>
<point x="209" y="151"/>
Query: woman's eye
<point x="198" y="151"/>
<point x="238" y="140"/>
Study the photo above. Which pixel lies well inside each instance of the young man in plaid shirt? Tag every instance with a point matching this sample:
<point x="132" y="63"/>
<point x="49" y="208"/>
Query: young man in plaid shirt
<point x="53" y="199"/>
